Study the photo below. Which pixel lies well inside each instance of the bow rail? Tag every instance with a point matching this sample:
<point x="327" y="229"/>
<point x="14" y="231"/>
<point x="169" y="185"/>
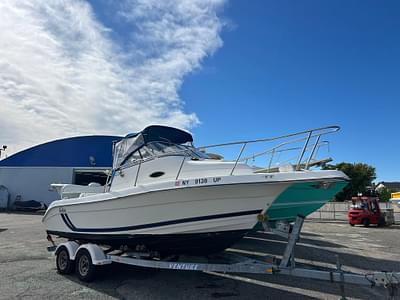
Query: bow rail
<point x="311" y="138"/>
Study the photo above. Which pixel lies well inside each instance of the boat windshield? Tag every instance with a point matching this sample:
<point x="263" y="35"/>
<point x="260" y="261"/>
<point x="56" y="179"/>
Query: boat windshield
<point x="124" y="147"/>
<point x="133" y="149"/>
<point x="165" y="148"/>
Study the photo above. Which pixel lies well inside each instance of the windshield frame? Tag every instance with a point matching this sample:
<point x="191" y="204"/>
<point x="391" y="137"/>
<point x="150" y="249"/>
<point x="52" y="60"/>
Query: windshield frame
<point x="156" y="149"/>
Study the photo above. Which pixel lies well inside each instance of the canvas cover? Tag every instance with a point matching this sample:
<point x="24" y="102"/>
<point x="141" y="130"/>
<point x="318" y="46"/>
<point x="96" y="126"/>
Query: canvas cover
<point x="154" y="133"/>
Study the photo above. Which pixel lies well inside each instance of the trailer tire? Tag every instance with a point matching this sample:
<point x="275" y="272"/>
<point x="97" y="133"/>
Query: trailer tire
<point x="85" y="270"/>
<point x="64" y="264"/>
<point x="365" y="222"/>
<point x="351" y="224"/>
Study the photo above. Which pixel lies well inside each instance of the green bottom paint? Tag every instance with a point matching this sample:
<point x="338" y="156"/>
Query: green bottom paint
<point x="303" y="199"/>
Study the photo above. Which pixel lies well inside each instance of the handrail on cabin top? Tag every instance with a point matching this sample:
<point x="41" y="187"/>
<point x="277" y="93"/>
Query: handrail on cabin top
<point x="310" y="134"/>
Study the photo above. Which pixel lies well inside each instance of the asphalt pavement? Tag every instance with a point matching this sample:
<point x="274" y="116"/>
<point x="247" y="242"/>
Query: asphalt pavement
<point x="27" y="270"/>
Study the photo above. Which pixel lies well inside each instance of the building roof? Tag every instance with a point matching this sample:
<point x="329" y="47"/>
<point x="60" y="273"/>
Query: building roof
<point x="81" y="151"/>
<point x="393" y="186"/>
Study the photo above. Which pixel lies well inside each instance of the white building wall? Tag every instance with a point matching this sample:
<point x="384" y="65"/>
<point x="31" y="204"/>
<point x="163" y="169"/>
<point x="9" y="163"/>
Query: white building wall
<point x="33" y="183"/>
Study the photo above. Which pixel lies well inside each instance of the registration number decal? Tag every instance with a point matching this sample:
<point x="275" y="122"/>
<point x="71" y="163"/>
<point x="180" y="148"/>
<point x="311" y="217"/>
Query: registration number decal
<point x="198" y="181"/>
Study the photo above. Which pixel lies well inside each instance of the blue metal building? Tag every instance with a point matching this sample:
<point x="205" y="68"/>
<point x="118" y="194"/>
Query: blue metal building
<point x="27" y="175"/>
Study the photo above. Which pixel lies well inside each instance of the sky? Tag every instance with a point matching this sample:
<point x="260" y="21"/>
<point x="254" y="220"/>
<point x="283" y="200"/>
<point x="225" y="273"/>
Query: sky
<point x="225" y="70"/>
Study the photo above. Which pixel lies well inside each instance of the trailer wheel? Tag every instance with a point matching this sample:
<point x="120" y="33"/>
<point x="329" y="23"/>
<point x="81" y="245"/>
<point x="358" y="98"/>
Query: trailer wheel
<point x="85" y="270"/>
<point x="351" y="224"/>
<point x="366" y="222"/>
<point x="63" y="263"/>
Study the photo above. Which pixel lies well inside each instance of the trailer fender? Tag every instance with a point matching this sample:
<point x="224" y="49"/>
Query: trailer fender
<point x="71" y="248"/>
<point x="97" y="254"/>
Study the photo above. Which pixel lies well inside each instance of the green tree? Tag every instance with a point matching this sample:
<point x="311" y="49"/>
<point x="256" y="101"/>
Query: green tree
<point x="361" y="176"/>
<point x="384" y="194"/>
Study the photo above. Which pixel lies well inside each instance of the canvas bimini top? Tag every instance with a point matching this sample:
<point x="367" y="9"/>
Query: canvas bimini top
<point x="155" y="133"/>
<point x="155" y="137"/>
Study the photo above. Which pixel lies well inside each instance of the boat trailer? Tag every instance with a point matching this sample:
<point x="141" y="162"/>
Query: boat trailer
<point x="85" y="258"/>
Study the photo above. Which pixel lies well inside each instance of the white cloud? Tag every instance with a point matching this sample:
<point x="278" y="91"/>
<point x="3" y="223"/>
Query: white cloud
<point x="63" y="73"/>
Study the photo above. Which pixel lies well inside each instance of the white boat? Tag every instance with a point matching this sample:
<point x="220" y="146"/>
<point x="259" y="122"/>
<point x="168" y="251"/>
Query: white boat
<point x="165" y="195"/>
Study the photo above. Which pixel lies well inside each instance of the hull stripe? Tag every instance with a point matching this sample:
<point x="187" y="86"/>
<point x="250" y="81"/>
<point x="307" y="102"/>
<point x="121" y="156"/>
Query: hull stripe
<point x="68" y="222"/>
<point x="71" y="226"/>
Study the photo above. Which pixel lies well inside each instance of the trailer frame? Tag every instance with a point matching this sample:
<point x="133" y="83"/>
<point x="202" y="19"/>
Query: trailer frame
<point x="95" y="255"/>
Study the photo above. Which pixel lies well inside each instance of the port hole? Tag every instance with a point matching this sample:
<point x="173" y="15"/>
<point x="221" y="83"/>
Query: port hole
<point x="156" y="174"/>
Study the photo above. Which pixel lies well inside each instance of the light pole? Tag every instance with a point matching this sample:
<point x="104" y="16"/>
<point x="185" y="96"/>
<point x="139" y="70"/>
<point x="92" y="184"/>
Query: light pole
<point x="3" y="149"/>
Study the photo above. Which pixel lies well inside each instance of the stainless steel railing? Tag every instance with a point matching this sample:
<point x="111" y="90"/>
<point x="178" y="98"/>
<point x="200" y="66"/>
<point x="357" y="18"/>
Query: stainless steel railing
<point x="306" y="135"/>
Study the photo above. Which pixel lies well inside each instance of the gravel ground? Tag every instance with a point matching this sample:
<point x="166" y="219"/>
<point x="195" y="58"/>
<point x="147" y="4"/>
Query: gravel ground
<point x="28" y="270"/>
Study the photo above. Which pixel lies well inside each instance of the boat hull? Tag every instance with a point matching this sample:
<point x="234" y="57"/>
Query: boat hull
<point x="192" y="220"/>
<point x="166" y="244"/>
<point x="302" y="199"/>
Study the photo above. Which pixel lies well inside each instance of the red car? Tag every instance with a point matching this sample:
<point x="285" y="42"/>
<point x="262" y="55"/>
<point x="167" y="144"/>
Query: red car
<point x="365" y="211"/>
